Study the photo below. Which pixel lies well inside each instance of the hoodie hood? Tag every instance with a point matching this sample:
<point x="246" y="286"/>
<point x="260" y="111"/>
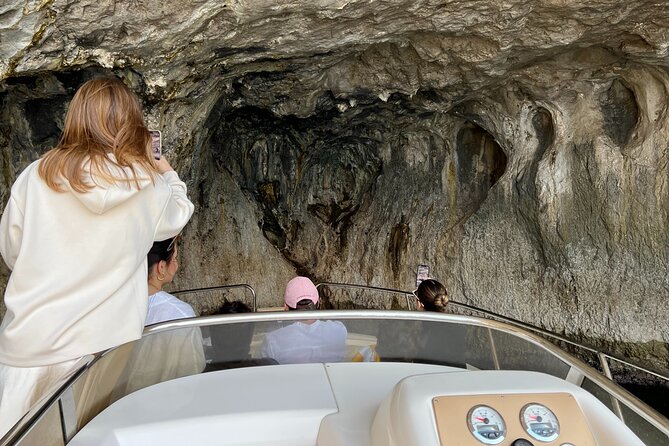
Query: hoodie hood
<point x="105" y="195"/>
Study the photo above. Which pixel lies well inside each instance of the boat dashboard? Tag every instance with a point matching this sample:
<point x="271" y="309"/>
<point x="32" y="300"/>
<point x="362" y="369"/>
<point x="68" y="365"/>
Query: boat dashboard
<point x="492" y="419"/>
<point x="492" y="408"/>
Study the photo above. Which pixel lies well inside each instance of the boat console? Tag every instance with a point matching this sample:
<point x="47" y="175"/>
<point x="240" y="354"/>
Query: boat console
<point x="495" y="408"/>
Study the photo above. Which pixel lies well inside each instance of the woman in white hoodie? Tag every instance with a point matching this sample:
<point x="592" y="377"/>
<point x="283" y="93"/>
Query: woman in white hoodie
<point x="75" y="233"/>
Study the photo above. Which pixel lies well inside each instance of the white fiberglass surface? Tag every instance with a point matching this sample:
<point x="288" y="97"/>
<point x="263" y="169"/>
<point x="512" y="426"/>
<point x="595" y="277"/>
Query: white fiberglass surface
<point x="317" y="404"/>
<point x="278" y="405"/>
<point x="249" y="406"/>
<point x="359" y="390"/>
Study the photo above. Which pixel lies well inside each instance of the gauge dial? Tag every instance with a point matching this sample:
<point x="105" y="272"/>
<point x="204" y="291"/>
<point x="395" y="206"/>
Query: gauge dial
<point x="540" y="422"/>
<point x="486" y="425"/>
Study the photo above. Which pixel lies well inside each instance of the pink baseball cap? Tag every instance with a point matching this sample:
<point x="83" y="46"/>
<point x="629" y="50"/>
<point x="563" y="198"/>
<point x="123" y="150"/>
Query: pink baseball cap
<point x="300" y="288"/>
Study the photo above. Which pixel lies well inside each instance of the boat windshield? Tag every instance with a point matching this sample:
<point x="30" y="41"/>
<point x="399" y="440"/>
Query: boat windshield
<point x="208" y="345"/>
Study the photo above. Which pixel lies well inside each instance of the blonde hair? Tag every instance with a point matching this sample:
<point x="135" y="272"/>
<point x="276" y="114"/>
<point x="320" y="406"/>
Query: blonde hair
<point x="104" y="117"/>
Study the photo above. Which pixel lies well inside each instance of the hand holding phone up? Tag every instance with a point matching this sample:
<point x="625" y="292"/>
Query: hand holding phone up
<point x="162" y="165"/>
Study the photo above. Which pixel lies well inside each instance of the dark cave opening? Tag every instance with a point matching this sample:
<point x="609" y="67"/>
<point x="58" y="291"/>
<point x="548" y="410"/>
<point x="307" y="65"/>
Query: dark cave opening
<point x="620" y="112"/>
<point x="480" y="163"/>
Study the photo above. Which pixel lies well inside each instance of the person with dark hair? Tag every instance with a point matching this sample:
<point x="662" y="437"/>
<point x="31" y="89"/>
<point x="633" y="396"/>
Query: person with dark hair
<point x="234" y="307"/>
<point x="438" y="340"/>
<point x="305" y="341"/>
<point x="431" y="295"/>
<point x="163" y="265"/>
<point x="170" y="354"/>
<point x="231" y="343"/>
<point x="75" y="233"/>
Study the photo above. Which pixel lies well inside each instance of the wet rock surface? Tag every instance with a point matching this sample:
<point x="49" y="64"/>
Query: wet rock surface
<point x="518" y="148"/>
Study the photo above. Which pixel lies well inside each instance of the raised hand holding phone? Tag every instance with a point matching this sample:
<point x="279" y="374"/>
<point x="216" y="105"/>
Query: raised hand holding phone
<point x="162" y="165"/>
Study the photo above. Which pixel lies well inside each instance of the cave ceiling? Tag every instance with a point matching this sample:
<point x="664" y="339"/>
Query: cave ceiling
<point x="187" y="48"/>
<point x="517" y="147"/>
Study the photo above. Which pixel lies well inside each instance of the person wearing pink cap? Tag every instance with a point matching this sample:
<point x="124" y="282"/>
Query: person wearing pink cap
<point x="305" y="341"/>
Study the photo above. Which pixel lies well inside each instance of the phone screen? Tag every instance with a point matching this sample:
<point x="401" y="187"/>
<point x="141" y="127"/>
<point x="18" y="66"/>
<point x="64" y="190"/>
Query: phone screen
<point x="422" y="273"/>
<point x="156" y="143"/>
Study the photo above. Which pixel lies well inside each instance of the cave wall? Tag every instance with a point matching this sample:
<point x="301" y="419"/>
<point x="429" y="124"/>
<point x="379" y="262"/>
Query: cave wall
<point x="519" y="149"/>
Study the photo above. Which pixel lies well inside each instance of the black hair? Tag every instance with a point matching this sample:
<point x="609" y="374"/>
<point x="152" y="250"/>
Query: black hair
<point x="432" y="295"/>
<point x="304" y="304"/>
<point x="163" y="250"/>
<point x="233" y="307"/>
<point x="231" y="343"/>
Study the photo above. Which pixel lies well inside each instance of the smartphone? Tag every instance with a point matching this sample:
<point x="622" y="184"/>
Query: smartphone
<point x="156" y="143"/>
<point x="422" y="273"/>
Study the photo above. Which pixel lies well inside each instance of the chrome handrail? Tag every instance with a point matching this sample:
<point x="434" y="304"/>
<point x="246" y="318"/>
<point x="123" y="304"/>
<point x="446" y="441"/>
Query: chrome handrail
<point x="522" y="324"/>
<point x="221" y="287"/>
<point x="407" y="294"/>
<point x="32" y="417"/>
<point x="602" y="356"/>
<point x="638" y="367"/>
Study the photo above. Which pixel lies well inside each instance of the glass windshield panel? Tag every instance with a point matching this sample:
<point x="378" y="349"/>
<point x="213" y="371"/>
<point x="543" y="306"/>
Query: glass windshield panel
<point x="181" y="352"/>
<point x="649" y="434"/>
<point x="516" y="353"/>
<point x="184" y="351"/>
<point x="47" y="432"/>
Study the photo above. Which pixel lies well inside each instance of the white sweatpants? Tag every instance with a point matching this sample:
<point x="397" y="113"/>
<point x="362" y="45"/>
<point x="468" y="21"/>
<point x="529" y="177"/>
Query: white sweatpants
<point x="22" y="387"/>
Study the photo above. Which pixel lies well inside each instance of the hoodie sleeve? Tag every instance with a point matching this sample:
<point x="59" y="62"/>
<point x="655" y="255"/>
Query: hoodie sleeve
<point x="11" y="232"/>
<point x="178" y="209"/>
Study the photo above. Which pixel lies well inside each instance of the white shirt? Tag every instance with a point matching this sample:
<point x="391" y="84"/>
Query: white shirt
<point x="165" y="307"/>
<point x="79" y="270"/>
<point x="163" y="356"/>
<point x="300" y="343"/>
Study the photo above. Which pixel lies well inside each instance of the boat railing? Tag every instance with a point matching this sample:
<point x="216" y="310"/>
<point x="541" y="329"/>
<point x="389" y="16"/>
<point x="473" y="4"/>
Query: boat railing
<point x="241" y="286"/>
<point x="602" y="356"/>
<point x="59" y="414"/>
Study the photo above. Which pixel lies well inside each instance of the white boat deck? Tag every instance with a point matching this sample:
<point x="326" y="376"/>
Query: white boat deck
<point x="346" y="404"/>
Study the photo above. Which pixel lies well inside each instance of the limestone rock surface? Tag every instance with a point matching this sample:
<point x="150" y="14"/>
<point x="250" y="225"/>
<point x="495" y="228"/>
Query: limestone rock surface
<point x="520" y="148"/>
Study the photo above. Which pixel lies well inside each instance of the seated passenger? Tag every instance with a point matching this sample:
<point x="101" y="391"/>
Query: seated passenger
<point x="431" y="295"/>
<point x="439" y="343"/>
<point x="305" y="341"/>
<point x="230" y="344"/>
<point x="234" y="307"/>
<point x="159" y="357"/>
<point x="163" y="265"/>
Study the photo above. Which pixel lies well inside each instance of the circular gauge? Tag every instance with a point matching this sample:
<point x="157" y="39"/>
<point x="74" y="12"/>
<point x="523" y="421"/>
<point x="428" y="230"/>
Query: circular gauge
<point x="486" y="425"/>
<point x="540" y="422"/>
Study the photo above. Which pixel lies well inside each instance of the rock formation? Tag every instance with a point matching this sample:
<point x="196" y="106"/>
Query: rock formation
<point x="519" y="148"/>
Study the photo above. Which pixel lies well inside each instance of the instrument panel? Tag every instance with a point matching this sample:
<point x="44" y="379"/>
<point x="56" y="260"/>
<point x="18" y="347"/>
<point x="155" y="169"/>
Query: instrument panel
<point x="536" y="419"/>
<point x="540" y="422"/>
<point x="486" y="424"/>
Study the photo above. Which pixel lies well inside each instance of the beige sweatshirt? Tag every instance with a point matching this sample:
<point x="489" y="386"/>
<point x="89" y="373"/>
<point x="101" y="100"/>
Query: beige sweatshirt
<point x="78" y="260"/>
